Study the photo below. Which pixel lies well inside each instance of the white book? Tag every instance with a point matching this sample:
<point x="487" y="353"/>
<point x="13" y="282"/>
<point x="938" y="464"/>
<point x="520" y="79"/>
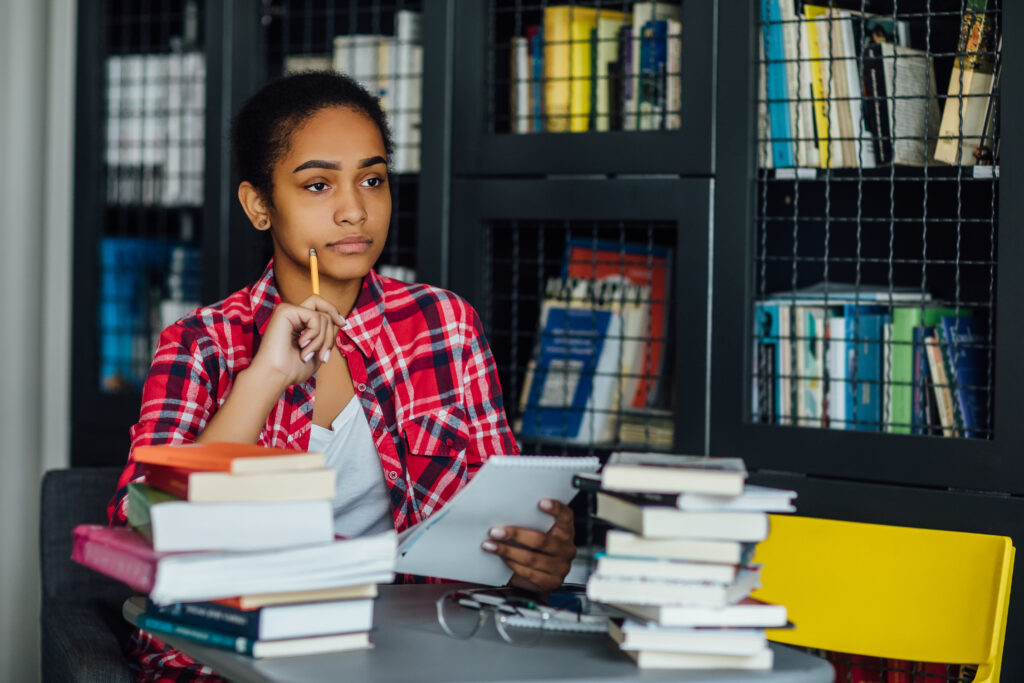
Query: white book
<point x="835" y="358"/>
<point x="670" y="473"/>
<point x="745" y="613"/>
<point x="406" y="113"/>
<point x="505" y="491"/>
<point x="183" y="526"/>
<point x="653" y="569"/>
<point x="753" y="498"/>
<point x="913" y="106"/>
<point x="608" y="28"/>
<point x="655" y="659"/>
<point x="358" y="56"/>
<point x="742" y="642"/>
<point x="666" y="522"/>
<point x="617" y="590"/>
<point x="618" y="542"/>
<point x="521" y="85"/>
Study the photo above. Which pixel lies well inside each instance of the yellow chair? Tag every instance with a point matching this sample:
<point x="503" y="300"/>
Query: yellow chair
<point x="886" y="591"/>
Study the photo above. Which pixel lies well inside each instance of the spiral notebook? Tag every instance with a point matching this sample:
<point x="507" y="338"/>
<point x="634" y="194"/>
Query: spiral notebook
<point x="505" y="491"/>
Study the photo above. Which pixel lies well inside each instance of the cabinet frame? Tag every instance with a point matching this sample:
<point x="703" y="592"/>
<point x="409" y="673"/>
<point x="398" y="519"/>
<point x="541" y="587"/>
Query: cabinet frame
<point x="685" y="202"/>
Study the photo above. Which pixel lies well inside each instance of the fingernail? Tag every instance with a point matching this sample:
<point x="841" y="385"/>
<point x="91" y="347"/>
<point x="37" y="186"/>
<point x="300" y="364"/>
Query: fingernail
<point x="305" y="344"/>
<point x="342" y="322"/>
<point x="305" y="359"/>
<point x="489" y="546"/>
<point x="497" y="532"/>
<point x="546" y="504"/>
<point x="326" y="355"/>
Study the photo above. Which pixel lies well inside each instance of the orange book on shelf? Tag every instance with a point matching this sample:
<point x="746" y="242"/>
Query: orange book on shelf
<point x="228" y="457"/>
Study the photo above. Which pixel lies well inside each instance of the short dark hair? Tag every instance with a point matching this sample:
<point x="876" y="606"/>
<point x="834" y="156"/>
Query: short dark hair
<point x="262" y="128"/>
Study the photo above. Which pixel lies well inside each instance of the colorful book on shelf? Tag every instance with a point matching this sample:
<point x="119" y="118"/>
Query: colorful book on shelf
<point x="904" y="320"/>
<point x="738" y="641"/>
<point x="652" y="101"/>
<point x="572" y="382"/>
<point x="271" y="622"/>
<point x="567" y="64"/>
<point x="643" y="12"/>
<point x="663" y="522"/>
<point x="605" y="76"/>
<point x="965" y="343"/>
<point x="864" y="337"/>
<point x="779" y="115"/>
<point x="943" y="393"/>
<point x="124" y="554"/>
<point x="970" y="86"/>
<point x="174" y="525"/>
<point x="670" y="473"/>
<point x="635" y="591"/>
<point x="624" y="543"/>
<point x="535" y="34"/>
<point x="228" y="457"/>
<point x="925" y="412"/>
<point x="134" y="612"/>
<point x="836" y="361"/>
<point x="642" y="265"/>
<point x="226" y="487"/>
<point x="769" y="384"/>
<point x="819" y="51"/>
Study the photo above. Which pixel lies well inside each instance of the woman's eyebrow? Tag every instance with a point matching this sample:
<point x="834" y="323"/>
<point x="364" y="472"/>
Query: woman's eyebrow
<point x="335" y="166"/>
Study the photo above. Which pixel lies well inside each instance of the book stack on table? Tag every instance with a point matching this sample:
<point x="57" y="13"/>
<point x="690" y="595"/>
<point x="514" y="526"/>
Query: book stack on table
<point x="235" y="547"/>
<point x="677" y="566"/>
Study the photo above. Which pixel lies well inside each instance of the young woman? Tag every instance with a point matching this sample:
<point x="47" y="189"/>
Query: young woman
<point x="394" y="381"/>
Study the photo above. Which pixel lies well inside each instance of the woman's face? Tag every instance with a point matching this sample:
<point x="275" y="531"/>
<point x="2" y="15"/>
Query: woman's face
<point x="331" y="193"/>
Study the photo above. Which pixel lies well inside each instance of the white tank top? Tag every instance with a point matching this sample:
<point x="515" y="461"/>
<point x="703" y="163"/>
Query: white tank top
<point x="361" y="504"/>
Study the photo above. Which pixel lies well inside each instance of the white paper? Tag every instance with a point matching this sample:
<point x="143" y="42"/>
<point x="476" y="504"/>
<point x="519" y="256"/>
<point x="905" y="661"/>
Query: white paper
<point x="505" y="492"/>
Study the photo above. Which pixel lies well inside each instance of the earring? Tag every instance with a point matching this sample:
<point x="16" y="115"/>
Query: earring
<point x="263" y="223"/>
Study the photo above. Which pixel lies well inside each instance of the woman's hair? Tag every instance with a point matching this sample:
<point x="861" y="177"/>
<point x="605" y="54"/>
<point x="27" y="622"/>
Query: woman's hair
<point x="261" y="130"/>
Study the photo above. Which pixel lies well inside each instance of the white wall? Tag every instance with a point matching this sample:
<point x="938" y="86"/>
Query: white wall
<point x="36" y="77"/>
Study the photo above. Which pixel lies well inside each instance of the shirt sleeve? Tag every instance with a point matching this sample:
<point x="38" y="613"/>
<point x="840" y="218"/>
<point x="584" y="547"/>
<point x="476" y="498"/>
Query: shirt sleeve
<point x="178" y="400"/>
<point x="489" y="433"/>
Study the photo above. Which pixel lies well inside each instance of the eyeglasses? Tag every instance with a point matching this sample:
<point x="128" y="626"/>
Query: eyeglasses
<point x="518" y="619"/>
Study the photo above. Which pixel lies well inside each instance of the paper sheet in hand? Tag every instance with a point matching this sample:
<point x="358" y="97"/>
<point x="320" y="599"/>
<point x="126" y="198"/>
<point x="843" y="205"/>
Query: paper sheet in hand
<point x="505" y="492"/>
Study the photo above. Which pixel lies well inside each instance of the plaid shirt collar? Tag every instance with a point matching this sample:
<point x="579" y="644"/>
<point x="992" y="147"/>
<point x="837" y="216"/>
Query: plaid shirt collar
<point x="364" y="321"/>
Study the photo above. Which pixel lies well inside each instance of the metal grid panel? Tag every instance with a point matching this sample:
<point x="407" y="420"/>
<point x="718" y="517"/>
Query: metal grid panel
<point x="583" y="362"/>
<point x="599" y="65"/>
<point x="877" y="130"/>
<point x="154" y="108"/>
<point x="379" y="44"/>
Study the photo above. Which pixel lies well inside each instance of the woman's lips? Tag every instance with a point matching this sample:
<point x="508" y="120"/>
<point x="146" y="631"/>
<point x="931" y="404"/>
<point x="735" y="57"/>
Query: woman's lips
<point x="356" y="244"/>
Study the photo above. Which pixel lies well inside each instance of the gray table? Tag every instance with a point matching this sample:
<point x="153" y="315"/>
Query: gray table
<point x="410" y="646"/>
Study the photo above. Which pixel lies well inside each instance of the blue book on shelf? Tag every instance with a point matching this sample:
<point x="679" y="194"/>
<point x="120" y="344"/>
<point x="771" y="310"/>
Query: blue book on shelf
<point x="537" y="54"/>
<point x="768" y="350"/>
<point x="964" y="342"/>
<point x="780" y="127"/>
<point x="864" y="337"/>
<point x="575" y="374"/>
<point x="920" y="417"/>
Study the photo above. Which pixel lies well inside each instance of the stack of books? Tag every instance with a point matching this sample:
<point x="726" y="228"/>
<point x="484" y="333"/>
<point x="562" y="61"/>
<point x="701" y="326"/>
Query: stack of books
<point x="677" y="567"/>
<point x="235" y="547"/>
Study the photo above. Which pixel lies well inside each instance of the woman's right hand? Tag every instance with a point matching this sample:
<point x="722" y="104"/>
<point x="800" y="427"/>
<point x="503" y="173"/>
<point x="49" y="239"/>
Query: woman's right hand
<point x="297" y="341"/>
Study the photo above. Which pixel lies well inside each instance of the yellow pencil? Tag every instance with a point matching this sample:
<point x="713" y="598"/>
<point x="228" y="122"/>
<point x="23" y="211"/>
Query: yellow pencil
<point x="314" y="271"/>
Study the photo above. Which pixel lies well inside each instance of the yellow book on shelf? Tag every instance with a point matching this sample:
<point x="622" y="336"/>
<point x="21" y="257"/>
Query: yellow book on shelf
<point x="567" y="65"/>
<point x="819" y="55"/>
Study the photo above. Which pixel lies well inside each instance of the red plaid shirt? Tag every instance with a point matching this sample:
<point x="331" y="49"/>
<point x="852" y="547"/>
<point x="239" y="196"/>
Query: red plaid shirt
<point x="420" y="365"/>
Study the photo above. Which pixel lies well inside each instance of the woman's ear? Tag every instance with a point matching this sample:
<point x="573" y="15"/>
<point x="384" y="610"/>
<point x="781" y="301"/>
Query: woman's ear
<point x="254" y="206"/>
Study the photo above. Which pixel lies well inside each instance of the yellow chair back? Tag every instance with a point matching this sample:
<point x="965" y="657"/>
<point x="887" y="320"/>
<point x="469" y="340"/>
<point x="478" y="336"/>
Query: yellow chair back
<point x="886" y="591"/>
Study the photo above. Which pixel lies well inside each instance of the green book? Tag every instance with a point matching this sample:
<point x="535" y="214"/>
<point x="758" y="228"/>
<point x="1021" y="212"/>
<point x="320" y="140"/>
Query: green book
<point x="904" y="319"/>
<point x="140" y="498"/>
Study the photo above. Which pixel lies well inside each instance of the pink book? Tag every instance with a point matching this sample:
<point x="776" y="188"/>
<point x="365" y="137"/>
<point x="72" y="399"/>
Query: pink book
<point x="119" y="552"/>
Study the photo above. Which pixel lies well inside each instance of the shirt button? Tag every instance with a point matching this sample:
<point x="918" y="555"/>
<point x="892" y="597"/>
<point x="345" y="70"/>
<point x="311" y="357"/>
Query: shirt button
<point x="392" y="475"/>
<point x="449" y="443"/>
<point x="378" y="431"/>
<point x="361" y="387"/>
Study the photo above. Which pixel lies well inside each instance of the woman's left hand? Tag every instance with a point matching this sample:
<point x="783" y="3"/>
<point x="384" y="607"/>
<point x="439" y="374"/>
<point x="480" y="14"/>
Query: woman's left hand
<point x="540" y="560"/>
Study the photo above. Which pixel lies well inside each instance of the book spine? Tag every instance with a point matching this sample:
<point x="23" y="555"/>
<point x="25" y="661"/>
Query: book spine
<point x="778" y="91"/>
<point x="167" y="479"/>
<point x="876" y="107"/>
<point x="205" y="636"/>
<point x="137" y="572"/>
<point x="211" y="616"/>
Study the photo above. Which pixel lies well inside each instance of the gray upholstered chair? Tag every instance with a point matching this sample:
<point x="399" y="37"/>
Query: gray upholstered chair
<point x="82" y="628"/>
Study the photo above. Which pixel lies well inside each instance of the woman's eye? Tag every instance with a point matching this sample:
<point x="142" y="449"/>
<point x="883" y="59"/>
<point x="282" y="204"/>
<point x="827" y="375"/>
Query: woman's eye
<point x="373" y="182"/>
<point x="317" y="187"/>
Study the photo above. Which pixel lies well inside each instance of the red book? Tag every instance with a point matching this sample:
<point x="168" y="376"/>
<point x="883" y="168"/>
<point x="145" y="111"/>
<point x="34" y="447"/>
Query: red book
<point x="119" y="552"/>
<point x="227" y="487"/>
<point x="228" y="457"/>
<point x="639" y="265"/>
